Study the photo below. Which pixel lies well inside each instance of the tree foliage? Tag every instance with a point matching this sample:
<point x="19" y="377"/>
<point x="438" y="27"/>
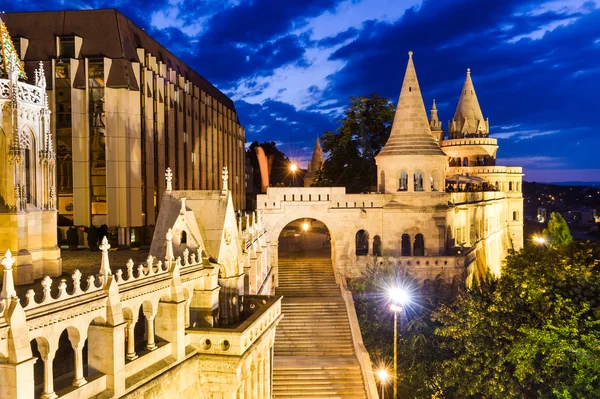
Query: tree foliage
<point x="533" y="333"/>
<point x="558" y="232"/>
<point x="280" y="175"/>
<point x="364" y="130"/>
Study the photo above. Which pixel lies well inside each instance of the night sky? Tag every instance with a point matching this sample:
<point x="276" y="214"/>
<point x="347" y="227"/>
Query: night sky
<point x="290" y="65"/>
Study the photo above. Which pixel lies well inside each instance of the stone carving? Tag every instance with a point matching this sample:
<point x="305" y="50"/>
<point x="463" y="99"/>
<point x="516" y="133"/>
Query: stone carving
<point x="169" y="178"/>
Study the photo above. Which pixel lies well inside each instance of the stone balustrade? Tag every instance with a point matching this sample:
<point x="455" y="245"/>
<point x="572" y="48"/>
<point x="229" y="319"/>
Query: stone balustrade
<point x="27" y="93"/>
<point x="469" y="141"/>
<point x="107" y="316"/>
<point x="482" y="170"/>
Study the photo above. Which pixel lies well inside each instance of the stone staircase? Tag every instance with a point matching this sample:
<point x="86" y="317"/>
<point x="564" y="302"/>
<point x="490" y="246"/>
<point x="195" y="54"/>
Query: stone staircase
<point x="314" y="352"/>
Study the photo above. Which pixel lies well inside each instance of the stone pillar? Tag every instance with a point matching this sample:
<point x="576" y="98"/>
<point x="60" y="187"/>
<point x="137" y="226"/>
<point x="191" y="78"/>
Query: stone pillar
<point x="16" y="380"/>
<point x="106" y="354"/>
<point x="48" y="392"/>
<point x="274" y="259"/>
<point x="150" y="344"/>
<point x="266" y="378"/>
<point x="261" y="382"/>
<point x="254" y="376"/>
<point x="170" y="326"/>
<point x="78" y="380"/>
<point x="131" y="355"/>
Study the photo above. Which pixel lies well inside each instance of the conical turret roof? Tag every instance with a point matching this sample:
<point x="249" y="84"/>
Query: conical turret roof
<point x="317" y="160"/>
<point x="410" y="133"/>
<point x="8" y="54"/>
<point x="468" y="117"/>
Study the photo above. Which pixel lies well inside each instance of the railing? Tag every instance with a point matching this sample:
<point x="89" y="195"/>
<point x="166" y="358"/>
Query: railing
<point x="26" y="93"/>
<point x="362" y="354"/>
<point x="481" y="170"/>
<point x="469" y="141"/>
<point x="260" y="312"/>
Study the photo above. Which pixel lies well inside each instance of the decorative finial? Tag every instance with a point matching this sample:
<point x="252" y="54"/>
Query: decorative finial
<point x="225" y="176"/>
<point x="468" y="71"/>
<point x="8" y="284"/>
<point x="169" y="178"/>
<point x="183" y="208"/>
<point x="105" y="265"/>
<point x="434" y="107"/>
<point x="410" y="53"/>
<point x="169" y="254"/>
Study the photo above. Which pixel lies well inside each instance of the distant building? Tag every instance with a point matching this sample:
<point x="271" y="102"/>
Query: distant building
<point x="315" y="164"/>
<point x="124" y="109"/>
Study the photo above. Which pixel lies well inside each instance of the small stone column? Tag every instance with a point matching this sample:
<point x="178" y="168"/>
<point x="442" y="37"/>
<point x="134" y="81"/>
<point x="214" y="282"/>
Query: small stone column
<point x="48" y="392"/>
<point x="78" y="380"/>
<point x="131" y="355"/>
<point x="150" y="344"/>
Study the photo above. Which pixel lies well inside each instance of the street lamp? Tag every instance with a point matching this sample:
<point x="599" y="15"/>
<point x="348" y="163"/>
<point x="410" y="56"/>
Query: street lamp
<point x="305" y="226"/>
<point x="293" y="167"/>
<point x="539" y="240"/>
<point x="398" y="297"/>
<point x="383" y="377"/>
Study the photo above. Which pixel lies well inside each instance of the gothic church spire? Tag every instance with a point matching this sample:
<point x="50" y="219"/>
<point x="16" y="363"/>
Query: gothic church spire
<point x="410" y="133"/>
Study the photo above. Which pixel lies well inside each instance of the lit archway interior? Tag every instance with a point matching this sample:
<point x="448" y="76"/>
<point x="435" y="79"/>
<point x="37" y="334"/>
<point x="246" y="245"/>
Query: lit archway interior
<point x="305" y="238"/>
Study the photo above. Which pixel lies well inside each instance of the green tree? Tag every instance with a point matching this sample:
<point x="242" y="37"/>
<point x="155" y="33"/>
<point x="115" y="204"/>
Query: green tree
<point x="364" y="130"/>
<point x="558" y="232"/>
<point x="535" y="332"/>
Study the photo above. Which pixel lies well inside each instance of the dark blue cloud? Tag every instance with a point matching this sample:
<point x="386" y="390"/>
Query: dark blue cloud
<point x="540" y="93"/>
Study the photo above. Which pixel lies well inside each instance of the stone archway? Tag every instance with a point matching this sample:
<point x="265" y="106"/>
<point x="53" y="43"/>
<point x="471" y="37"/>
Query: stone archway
<point x="305" y="238"/>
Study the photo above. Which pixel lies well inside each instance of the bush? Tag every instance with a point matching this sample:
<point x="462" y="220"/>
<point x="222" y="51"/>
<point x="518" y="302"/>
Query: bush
<point x="72" y="238"/>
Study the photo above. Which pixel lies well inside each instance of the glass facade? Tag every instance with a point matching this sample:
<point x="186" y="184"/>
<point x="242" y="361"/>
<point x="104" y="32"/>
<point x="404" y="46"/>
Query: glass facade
<point x="97" y="137"/>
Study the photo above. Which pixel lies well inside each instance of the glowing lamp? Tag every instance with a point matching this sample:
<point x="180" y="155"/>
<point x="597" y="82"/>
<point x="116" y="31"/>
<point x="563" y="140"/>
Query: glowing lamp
<point x="305" y="226"/>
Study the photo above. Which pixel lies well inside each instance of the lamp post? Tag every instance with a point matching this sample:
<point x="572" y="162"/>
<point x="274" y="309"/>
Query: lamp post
<point x="540" y="240"/>
<point x="383" y="376"/>
<point x="398" y="298"/>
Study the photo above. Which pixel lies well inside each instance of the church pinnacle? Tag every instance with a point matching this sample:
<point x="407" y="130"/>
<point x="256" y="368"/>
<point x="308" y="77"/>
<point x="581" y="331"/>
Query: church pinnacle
<point x="468" y="119"/>
<point x="410" y="134"/>
<point x="317" y="160"/>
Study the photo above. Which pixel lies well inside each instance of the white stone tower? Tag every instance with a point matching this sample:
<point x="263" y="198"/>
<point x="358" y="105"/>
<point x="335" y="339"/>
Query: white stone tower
<point x="411" y="160"/>
<point x="27" y="158"/>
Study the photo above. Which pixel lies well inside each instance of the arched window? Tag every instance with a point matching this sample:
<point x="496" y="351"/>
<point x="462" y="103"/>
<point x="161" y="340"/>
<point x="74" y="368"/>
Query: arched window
<point x="405" y="245"/>
<point x="382" y="182"/>
<point x="435" y="181"/>
<point x="419" y="246"/>
<point x="183" y="237"/>
<point x="376" y="246"/>
<point x="403" y="181"/>
<point x="515" y="215"/>
<point x="458" y="162"/>
<point x="418" y="181"/>
<point x="362" y="243"/>
<point x="30" y="158"/>
<point x="510" y="186"/>
<point x="465" y="161"/>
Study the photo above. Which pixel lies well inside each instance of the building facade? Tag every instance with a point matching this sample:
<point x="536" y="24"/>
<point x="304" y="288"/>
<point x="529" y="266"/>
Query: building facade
<point x="124" y="109"/>
<point x="443" y="209"/>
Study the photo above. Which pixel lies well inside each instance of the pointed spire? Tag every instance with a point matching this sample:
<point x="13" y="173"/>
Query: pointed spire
<point x="435" y="124"/>
<point x="468" y="118"/>
<point x="410" y="133"/>
<point x="317" y="160"/>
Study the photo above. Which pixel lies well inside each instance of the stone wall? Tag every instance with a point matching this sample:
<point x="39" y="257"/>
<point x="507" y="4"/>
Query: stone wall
<point x="182" y="382"/>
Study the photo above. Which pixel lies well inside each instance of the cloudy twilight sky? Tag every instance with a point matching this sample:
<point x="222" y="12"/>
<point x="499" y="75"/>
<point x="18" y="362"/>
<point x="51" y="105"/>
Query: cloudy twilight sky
<point x="290" y="65"/>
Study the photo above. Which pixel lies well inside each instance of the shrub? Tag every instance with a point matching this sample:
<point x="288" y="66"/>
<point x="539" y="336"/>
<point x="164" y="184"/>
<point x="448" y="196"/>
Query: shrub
<point x="72" y="238"/>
